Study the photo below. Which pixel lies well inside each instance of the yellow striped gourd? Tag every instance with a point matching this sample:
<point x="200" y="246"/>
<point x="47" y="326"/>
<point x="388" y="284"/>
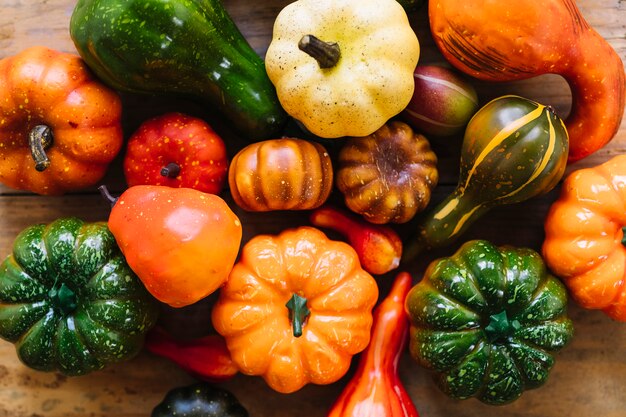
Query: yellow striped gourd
<point x="513" y="149"/>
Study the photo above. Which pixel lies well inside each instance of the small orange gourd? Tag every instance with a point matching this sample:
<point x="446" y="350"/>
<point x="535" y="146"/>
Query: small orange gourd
<point x="281" y="174"/>
<point x="296" y="308"/>
<point x="59" y="126"/>
<point x="498" y="40"/>
<point x="584" y="242"/>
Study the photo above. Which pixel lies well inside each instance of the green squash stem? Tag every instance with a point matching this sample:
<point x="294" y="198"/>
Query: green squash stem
<point x="40" y="139"/>
<point x="63" y="299"/>
<point x="500" y="327"/>
<point x="326" y="54"/>
<point x="298" y="313"/>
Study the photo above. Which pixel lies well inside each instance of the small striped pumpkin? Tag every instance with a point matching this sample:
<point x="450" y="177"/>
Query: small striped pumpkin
<point x="388" y="176"/>
<point x="513" y="149"/>
<point x="281" y="174"/>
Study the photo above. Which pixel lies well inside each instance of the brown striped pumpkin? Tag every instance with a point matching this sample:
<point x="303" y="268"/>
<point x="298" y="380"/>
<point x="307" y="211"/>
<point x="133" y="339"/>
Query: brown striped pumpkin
<point x="513" y="149"/>
<point x="281" y="174"/>
<point x="388" y="176"/>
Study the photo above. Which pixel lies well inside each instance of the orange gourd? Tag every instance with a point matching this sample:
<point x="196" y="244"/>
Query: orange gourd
<point x="281" y="174"/>
<point x="296" y="308"/>
<point x="59" y="126"/>
<point x="498" y="40"/>
<point x="376" y="390"/>
<point x="584" y="242"/>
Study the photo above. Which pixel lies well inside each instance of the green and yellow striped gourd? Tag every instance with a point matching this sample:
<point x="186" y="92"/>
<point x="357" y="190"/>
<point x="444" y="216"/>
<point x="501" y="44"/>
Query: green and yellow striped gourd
<point x="513" y="149"/>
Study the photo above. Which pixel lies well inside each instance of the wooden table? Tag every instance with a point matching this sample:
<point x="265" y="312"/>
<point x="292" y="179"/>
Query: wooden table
<point x="588" y="379"/>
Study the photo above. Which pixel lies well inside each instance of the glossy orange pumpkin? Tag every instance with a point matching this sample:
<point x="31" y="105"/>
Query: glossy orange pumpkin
<point x="388" y="176"/>
<point x="59" y="126"/>
<point x="296" y="308"/>
<point x="281" y="174"/>
<point x="584" y="243"/>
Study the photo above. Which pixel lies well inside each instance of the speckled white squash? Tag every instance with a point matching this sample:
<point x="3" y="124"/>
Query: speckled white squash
<point x="356" y="78"/>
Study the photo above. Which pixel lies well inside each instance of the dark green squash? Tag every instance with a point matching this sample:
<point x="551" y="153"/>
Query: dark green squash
<point x="68" y="300"/>
<point x="513" y="149"/>
<point x="184" y="47"/>
<point x="487" y="320"/>
<point x="199" y="400"/>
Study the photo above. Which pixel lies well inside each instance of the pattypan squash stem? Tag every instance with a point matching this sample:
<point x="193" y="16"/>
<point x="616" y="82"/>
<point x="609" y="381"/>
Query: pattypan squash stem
<point x="298" y="312"/>
<point x="171" y="170"/>
<point x="325" y="53"/>
<point x="40" y="139"/>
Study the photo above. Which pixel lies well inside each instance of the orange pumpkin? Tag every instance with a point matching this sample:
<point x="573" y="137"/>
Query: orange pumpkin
<point x="281" y="174"/>
<point x="59" y="127"/>
<point x="296" y="308"/>
<point x="584" y="243"/>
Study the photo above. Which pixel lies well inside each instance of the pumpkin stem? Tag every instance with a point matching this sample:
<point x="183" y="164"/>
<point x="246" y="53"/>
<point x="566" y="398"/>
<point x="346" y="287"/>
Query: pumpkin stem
<point x="500" y="327"/>
<point x="171" y="170"/>
<point x="298" y="312"/>
<point x="325" y="53"/>
<point x="624" y="236"/>
<point x="104" y="192"/>
<point x="63" y="299"/>
<point x="40" y="139"/>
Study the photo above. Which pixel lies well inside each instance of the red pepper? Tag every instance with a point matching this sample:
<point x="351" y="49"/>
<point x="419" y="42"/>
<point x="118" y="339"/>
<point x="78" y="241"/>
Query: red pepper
<point x="375" y="390"/>
<point x="206" y="358"/>
<point x="379" y="247"/>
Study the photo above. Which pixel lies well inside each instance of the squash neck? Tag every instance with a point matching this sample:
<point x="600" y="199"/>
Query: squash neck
<point x="442" y="225"/>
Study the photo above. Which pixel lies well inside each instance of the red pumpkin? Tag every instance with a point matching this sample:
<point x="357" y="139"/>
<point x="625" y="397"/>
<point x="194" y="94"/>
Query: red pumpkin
<point x="178" y="151"/>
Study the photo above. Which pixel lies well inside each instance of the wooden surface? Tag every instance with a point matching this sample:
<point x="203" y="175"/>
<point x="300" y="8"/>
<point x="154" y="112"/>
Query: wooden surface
<point x="589" y="376"/>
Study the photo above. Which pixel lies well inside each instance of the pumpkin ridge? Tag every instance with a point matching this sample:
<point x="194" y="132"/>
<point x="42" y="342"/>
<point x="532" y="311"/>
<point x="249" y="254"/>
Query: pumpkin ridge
<point x="462" y="265"/>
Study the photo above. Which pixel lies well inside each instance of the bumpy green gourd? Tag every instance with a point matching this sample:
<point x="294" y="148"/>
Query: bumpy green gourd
<point x="184" y="47"/>
<point x="68" y="300"/>
<point x="487" y="320"/>
<point x="513" y="149"/>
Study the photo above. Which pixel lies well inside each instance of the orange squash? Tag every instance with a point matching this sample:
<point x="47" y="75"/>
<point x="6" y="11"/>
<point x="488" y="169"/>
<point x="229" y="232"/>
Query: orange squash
<point x="59" y="126"/>
<point x="296" y="308"/>
<point x="498" y="40"/>
<point x="584" y="242"/>
<point x="281" y="174"/>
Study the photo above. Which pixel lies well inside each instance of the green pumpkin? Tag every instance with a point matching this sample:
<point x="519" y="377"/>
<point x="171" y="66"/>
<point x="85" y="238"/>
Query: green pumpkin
<point x="68" y="300"/>
<point x="513" y="149"/>
<point x="487" y="321"/>
<point x="199" y="400"/>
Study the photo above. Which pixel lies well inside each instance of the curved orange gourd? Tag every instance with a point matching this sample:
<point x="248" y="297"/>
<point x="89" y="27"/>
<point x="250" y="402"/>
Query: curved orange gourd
<point x="262" y="309"/>
<point x="584" y="237"/>
<point x="497" y="40"/>
<point x="375" y="390"/>
<point x="75" y="123"/>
